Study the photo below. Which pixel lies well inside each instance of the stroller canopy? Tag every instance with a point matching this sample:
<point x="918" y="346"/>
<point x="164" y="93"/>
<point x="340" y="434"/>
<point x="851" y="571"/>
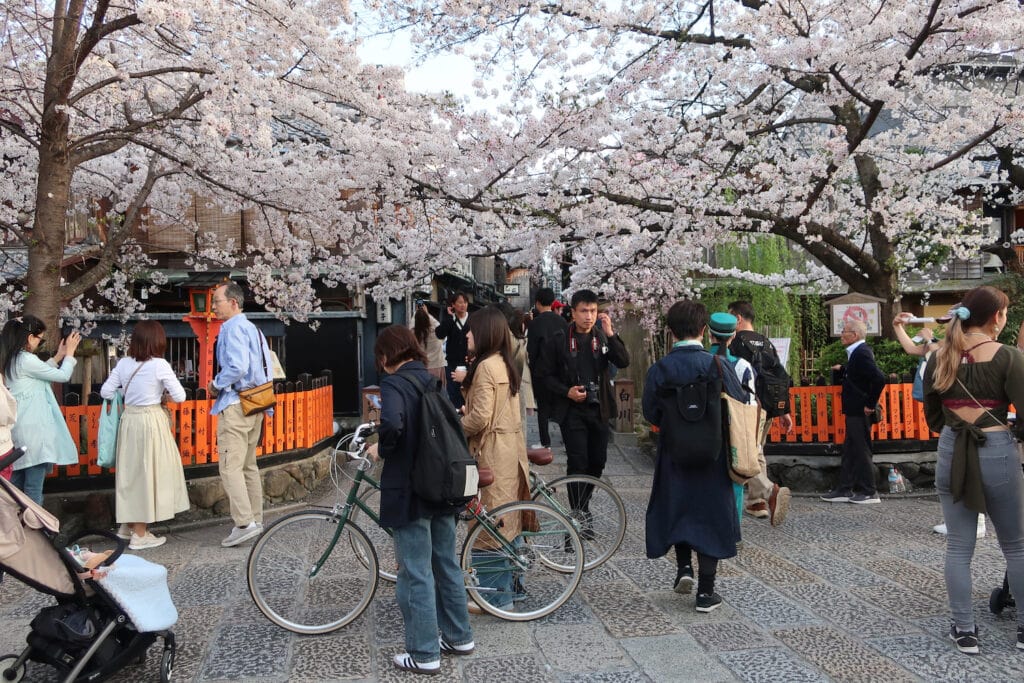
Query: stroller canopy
<point x="26" y="546"/>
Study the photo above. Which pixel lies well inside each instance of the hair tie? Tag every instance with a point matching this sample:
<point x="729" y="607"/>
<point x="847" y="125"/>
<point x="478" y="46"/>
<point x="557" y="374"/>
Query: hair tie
<point x="962" y="312"/>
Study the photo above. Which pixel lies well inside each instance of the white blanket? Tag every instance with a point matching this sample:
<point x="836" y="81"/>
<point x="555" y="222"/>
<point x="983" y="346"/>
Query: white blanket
<point x="140" y="588"/>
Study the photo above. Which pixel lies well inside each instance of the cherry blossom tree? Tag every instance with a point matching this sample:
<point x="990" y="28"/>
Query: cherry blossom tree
<point x="640" y="135"/>
<point x="126" y="112"/>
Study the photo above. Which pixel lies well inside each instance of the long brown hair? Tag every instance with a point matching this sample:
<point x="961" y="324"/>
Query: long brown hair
<point x="978" y="308"/>
<point x="490" y="336"/>
<point x="422" y="326"/>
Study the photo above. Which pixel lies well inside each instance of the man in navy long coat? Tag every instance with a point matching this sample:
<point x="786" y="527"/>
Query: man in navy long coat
<point x="692" y="508"/>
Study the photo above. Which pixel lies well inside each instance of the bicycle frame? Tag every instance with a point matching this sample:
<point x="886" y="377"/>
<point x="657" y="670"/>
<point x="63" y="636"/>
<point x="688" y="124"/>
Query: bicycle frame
<point x="342" y="512"/>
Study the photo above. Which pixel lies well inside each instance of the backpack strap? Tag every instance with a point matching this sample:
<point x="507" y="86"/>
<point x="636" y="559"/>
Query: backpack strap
<point x="422" y="387"/>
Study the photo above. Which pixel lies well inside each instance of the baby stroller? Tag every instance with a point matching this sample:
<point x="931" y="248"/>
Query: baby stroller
<point x="100" y="623"/>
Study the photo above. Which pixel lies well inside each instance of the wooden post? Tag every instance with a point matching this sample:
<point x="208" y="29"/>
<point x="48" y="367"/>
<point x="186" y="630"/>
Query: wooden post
<point x="625" y="421"/>
<point x="371" y="403"/>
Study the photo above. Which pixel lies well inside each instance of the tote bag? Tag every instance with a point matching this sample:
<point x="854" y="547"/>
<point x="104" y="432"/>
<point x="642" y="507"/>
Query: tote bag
<point x="744" y="443"/>
<point x="106" y="439"/>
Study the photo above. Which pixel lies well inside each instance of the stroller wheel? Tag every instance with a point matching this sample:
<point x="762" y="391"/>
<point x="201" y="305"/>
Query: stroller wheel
<point x="8" y="673"/>
<point x="997" y="601"/>
<point x="167" y="660"/>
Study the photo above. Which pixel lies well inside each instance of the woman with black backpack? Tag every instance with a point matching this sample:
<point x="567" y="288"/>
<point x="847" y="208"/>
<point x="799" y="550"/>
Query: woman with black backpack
<point x="430" y="589"/>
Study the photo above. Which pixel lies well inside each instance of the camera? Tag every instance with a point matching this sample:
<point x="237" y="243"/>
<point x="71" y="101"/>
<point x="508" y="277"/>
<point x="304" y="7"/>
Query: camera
<point x="421" y="302"/>
<point x="593" y="393"/>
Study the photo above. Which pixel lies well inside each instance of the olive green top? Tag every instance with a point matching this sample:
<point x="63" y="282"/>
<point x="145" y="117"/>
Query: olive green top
<point x="995" y="383"/>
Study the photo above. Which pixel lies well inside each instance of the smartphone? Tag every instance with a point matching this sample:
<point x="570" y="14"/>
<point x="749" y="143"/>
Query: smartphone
<point x="66" y="331"/>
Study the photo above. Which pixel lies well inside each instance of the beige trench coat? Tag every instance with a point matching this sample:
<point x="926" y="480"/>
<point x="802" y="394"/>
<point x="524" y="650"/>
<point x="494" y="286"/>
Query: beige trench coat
<point x="495" y="433"/>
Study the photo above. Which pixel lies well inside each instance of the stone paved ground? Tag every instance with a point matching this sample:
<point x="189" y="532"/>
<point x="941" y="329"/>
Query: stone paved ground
<point x="839" y="593"/>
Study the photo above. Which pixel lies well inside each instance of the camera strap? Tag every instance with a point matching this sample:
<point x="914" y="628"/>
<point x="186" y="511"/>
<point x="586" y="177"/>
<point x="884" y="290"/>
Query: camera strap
<point x="574" y="345"/>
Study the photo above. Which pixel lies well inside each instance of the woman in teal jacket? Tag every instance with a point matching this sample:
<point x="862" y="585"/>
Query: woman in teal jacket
<point x="40" y="428"/>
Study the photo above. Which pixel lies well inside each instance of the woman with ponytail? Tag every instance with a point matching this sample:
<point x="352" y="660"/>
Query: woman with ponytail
<point x="968" y="386"/>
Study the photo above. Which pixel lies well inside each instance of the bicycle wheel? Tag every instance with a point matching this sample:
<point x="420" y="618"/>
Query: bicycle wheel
<point x="383" y="543"/>
<point x="279" y="572"/>
<point x="601" y="519"/>
<point x="529" y="577"/>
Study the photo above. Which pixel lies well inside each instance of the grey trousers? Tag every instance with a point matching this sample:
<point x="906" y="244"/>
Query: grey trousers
<point x="1003" y="484"/>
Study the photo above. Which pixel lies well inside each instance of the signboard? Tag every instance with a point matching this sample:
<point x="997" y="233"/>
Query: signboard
<point x="510" y="290"/>
<point x="782" y="345"/>
<point x="867" y="313"/>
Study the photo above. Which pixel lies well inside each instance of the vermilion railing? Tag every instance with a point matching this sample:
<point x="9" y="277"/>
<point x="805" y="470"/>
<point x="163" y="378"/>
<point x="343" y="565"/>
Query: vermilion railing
<point x="817" y="416"/>
<point x="302" y="417"/>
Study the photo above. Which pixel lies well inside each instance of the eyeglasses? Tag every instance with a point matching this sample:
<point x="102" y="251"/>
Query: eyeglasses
<point x="218" y="301"/>
<point x="40" y="337"/>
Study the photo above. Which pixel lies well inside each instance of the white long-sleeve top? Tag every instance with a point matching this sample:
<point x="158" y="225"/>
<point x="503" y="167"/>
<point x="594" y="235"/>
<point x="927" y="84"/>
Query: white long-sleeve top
<point x="148" y="385"/>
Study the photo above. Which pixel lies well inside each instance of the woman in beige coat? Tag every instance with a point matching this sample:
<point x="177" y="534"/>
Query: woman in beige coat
<point x="492" y="420"/>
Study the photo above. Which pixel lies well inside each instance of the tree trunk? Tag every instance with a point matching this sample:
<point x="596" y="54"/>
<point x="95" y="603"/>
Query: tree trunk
<point x="46" y="248"/>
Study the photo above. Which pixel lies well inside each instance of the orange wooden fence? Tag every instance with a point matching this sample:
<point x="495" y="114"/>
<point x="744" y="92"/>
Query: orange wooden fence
<point x="303" y="416"/>
<point x="817" y="416"/>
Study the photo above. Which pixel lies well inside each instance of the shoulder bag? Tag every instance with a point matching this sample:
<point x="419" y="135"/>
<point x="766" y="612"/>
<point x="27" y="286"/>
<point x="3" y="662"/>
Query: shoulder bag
<point x="110" y="422"/>
<point x="260" y="398"/>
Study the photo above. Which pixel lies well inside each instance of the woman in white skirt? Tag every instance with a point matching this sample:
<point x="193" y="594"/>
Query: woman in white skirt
<point x="149" y="479"/>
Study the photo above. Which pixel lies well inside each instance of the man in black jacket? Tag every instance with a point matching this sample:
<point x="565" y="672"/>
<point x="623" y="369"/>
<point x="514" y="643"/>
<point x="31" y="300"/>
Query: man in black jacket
<point x="862" y="385"/>
<point x="453" y="330"/>
<point x="546" y="325"/>
<point x="574" y="370"/>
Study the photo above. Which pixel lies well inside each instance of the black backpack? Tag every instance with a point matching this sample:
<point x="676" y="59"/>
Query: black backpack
<point x="444" y="471"/>
<point x="691" y="419"/>
<point x="771" y="381"/>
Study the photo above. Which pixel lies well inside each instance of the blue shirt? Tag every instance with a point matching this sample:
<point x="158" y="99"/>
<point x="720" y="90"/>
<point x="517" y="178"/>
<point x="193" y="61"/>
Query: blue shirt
<point x="241" y="351"/>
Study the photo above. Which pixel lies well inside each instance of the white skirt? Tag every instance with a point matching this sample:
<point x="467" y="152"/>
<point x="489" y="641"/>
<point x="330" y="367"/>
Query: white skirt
<point x="149" y="480"/>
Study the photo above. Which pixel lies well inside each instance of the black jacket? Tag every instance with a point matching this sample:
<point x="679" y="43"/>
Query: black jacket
<point x="862" y="381"/>
<point x="399" y="436"/>
<point x="543" y="327"/>
<point x="558" y="370"/>
<point x="455" y="341"/>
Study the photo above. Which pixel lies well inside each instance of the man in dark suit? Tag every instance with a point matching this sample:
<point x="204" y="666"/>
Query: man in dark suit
<point x="453" y="330"/>
<point x="862" y="385"/>
<point x="545" y="326"/>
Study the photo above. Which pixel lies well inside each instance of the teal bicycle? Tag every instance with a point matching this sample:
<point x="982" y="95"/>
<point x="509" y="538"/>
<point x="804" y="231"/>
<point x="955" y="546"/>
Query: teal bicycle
<point x="316" y="570"/>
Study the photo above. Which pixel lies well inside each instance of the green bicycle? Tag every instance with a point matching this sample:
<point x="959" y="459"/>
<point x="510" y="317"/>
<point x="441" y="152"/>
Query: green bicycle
<point x="316" y="570"/>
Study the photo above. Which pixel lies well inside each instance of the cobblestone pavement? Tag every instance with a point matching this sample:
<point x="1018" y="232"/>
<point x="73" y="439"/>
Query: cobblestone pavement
<point x="838" y="593"/>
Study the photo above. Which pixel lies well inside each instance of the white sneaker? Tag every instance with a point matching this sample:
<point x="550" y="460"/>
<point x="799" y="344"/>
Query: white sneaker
<point x="241" y="535"/>
<point x="124" y="532"/>
<point x="982" y="529"/>
<point x="147" y="541"/>
<point x="405" y="661"/>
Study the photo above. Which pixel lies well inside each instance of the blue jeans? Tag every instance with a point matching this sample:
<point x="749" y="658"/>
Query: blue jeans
<point x="1003" y="485"/>
<point x="493" y="570"/>
<point x="30" y="480"/>
<point x="431" y="590"/>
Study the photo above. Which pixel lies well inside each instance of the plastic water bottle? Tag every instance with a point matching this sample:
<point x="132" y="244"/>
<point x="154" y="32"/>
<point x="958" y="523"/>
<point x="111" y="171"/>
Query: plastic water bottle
<point x="904" y="485"/>
<point x="894" y="480"/>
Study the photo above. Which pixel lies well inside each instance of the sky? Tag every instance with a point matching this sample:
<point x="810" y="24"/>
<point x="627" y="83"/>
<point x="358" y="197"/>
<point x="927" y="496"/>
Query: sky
<point x="450" y="73"/>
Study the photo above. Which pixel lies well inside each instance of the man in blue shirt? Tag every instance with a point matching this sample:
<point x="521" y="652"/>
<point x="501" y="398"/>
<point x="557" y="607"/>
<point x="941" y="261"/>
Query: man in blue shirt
<point x="241" y="356"/>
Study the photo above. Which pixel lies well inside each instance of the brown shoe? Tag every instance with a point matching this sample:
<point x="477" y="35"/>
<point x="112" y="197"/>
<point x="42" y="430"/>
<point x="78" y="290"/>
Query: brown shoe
<point x="475" y="608"/>
<point x="759" y="510"/>
<point x="778" y="504"/>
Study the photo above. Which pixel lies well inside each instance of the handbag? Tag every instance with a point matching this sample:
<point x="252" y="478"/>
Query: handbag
<point x="259" y="398"/>
<point x="744" y="445"/>
<point x="110" y="422"/>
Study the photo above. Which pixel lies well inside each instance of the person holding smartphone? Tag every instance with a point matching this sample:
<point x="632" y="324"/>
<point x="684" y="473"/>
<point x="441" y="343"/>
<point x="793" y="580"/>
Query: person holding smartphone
<point x="40" y="429"/>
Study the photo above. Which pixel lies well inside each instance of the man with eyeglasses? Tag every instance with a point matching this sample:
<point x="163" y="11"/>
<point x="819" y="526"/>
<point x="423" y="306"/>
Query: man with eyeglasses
<point x="241" y="349"/>
<point x="862" y="385"/>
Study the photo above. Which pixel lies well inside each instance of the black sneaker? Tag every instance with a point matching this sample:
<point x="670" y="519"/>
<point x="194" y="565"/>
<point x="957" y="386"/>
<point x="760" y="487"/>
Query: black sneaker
<point x="967" y="641"/>
<point x="684" y="581"/>
<point x="836" y="496"/>
<point x="1020" y="637"/>
<point x="708" y="602"/>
